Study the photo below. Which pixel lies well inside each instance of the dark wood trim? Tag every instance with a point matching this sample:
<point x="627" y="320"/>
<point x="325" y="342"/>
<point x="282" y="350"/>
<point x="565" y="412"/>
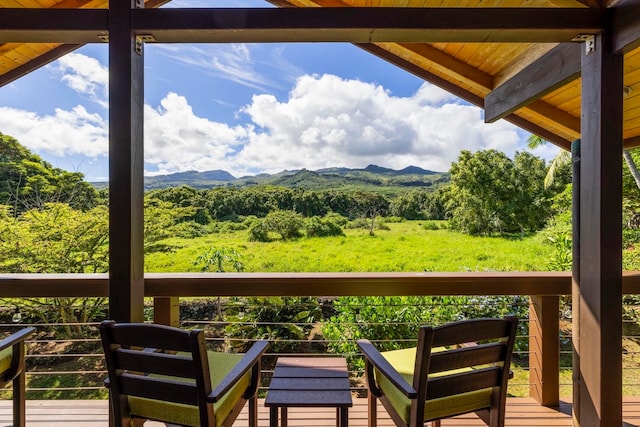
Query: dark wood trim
<point x="126" y="166"/>
<point x="315" y="284"/>
<point x="630" y="143"/>
<point x="36" y="63"/>
<point x="600" y="289"/>
<point x="553" y="70"/>
<point x="28" y="25"/>
<point x="365" y="25"/>
<point x="625" y="24"/>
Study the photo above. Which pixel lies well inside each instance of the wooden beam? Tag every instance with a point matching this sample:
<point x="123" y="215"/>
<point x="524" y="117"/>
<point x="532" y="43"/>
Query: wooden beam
<point x="73" y="26"/>
<point x="459" y="92"/>
<point x="126" y="194"/>
<point x="625" y="24"/>
<point x="36" y="63"/>
<point x="544" y="349"/>
<point x="600" y="288"/>
<point x="550" y="72"/>
<point x="366" y="25"/>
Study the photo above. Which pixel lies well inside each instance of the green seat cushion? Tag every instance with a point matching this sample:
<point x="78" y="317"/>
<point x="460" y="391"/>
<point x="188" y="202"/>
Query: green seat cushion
<point x="404" y="362"/>
<point x="6" y="356"/>
<point x="220" y="364"/>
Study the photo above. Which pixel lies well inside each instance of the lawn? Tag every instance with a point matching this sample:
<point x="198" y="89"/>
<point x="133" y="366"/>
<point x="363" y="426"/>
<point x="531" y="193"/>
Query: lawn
<point x="405" y="247"/>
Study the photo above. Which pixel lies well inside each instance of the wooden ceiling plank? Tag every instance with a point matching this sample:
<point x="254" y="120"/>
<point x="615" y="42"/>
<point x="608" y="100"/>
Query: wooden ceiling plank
<point x="364" y="25"/>
<point x="553" y="70"/>
<point x="422" y="73"/>
<point x="452" y="65"/>
<point x="626" y="26"/>
<point x="38" y="62"/>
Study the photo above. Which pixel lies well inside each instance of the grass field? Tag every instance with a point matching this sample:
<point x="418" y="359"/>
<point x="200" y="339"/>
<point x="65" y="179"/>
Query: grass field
<point x="406" y="247"/>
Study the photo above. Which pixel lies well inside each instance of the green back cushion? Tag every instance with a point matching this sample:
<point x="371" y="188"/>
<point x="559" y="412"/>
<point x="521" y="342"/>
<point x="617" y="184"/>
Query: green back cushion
<point x="404" y="362"/>
<point x="6" y="356"/>
<point x="220" y="364"/>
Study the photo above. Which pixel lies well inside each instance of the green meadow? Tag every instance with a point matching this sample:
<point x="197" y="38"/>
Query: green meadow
<point x="406" y="247"/>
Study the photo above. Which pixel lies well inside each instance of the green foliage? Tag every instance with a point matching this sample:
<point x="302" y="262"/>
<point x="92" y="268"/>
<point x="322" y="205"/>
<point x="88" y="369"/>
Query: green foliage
<point x="492" y="194"/>
<point x="392" y="322"/>
<point x="322" y="227"/>
<point x="287" y="224"/>
<point x="28" y="182"/>
<point x="217" y="259"/>
<point x="54" y="239"/>
<point x="561" y="259"/>
<point x="281" y="320"/>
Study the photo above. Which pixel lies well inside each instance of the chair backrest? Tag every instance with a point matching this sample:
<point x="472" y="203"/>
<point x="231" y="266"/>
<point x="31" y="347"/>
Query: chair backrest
<point x="156" y="362"/>
<point x="463" y="357"/>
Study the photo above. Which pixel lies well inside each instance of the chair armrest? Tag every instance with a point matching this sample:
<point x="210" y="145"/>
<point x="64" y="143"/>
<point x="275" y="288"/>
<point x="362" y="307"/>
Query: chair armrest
<point x="16" y="338"/>
<point x="247" y="362"/>
<point x="375" y="358"/>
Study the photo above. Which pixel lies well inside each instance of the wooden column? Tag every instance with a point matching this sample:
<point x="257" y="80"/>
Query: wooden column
<point x="544" y="349"/>
<point x="166" y="311"/>
<point x="600" y="289"/>
<point x="126" y="101"/>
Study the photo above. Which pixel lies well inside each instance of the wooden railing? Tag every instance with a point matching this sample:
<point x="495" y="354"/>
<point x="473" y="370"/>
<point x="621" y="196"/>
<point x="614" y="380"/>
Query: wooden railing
<point x="543" y="288"/>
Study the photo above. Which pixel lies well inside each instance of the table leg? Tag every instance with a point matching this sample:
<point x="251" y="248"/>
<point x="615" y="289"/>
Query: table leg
<point x="273" y="416"/>
<point x="283" y="416"/>
<point x="343" y="418"/>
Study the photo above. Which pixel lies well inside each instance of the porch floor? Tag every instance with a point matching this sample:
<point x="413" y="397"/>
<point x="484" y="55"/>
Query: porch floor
<point x="93" y="413"/>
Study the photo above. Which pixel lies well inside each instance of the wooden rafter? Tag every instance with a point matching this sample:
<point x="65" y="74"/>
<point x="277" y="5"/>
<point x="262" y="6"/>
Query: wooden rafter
<point x="551" y="71"/>
<point x="626" y="26"/>
<point x="461" y="93"/>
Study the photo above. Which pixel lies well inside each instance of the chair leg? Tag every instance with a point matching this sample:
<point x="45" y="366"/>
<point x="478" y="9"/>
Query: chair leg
<point x="373" y="410"/>
<point x="19" y="411"/>
<point x="253" y="411"/>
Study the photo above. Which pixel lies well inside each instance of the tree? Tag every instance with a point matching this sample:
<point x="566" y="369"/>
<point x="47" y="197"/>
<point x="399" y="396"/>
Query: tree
<point x="28" y="182"/>
<point x="490" y="193"/>
<point x="370" y="206"/>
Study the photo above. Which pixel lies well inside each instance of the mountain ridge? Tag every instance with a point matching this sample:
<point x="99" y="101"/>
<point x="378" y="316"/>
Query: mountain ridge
<point x="325" y="178"/>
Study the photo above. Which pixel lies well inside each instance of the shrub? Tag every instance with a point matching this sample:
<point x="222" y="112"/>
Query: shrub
<point x="322" y="227"/>
<point x="258" y="232"/>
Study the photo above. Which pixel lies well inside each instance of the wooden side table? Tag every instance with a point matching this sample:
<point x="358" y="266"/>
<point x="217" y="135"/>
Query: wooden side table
<point x="309" y="382"/>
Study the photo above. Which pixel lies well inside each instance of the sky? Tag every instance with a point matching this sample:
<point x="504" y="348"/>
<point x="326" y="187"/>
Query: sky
<point x="251" y="108"/>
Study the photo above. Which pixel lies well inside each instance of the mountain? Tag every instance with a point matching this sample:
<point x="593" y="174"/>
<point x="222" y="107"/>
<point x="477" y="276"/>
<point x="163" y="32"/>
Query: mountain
<point x="372" y="177"/>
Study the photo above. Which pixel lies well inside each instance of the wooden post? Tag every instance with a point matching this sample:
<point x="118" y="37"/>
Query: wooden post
<point x="126" y="205"/>
<point x="600" y="291"/>
<point x="575" y="280"/>
<point x="166" y="311"/>
<point x="544" y="349"/>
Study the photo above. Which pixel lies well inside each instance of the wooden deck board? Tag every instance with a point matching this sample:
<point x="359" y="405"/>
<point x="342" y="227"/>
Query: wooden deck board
<point x="93" y="413"/>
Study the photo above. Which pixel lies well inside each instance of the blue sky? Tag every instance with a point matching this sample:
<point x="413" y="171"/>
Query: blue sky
<point x="251" y="108"/>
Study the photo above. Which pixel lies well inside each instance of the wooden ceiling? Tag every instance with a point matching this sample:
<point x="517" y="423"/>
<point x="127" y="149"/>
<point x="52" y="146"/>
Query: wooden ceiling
<point x="533" y="81"/>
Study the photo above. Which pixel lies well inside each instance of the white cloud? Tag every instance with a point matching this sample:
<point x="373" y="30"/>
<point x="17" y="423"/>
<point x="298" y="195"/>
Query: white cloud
<point x="85" y="75"/>
<point x="326" y="121"/>
<point x="178" y="140"/>
<point x="329" y="121"/>
<point x="63" y="133"/>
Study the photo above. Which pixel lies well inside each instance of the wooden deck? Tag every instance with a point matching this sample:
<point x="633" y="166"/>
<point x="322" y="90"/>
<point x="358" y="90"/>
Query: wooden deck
<point x="93" y="413"/>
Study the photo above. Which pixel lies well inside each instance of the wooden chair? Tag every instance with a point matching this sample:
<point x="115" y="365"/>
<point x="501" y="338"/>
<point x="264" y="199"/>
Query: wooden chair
<point x="12" y="369"/>
<point x="165" y="374"/>
<point x="455" y="369"/>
